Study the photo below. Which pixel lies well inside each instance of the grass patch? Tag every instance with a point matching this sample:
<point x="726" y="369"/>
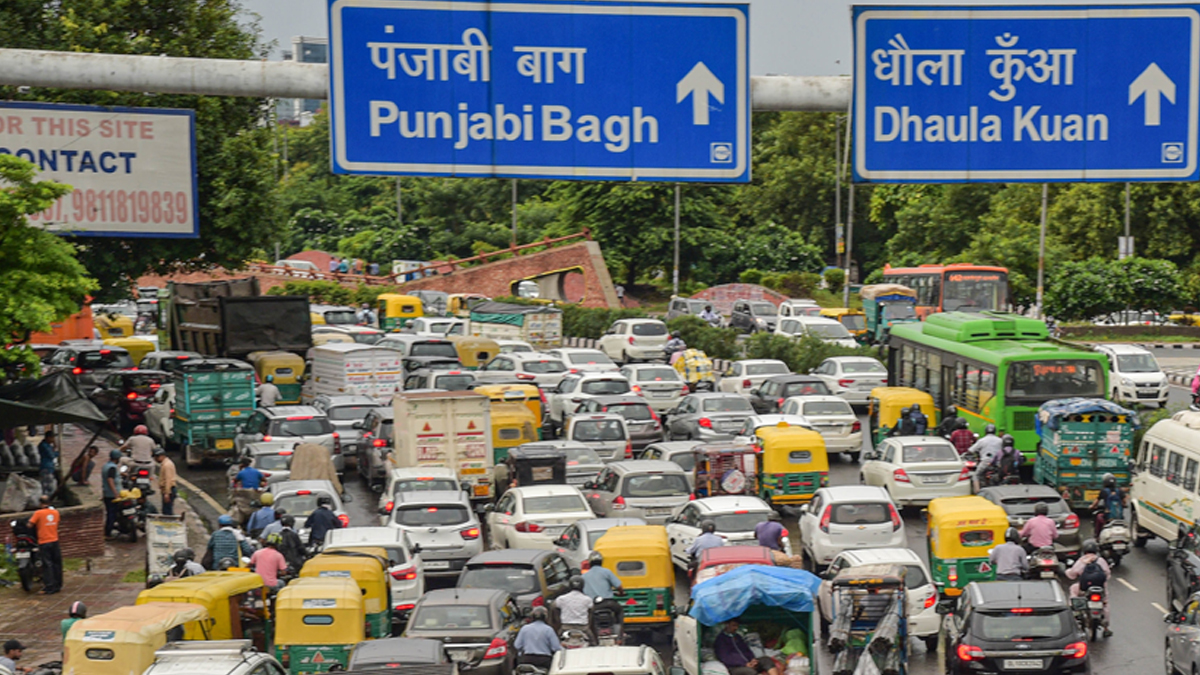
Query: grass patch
<point x="1104" y="336"/>
<point x="73" y="564"/>
<point x="134" y="577"/>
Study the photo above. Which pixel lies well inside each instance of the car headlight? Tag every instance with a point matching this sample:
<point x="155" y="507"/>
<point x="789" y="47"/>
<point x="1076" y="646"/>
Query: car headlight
<point x="760" y="322"/>
<point x="1126" y="382"/>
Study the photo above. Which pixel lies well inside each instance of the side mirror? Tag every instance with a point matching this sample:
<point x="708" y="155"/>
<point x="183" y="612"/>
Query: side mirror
<point x="228" y="461"/>
<point x="754" y="392"/>
<point x="805" y="509"/>
<point x="416" y="549"/>
<point x="357" y="425"/>
<point x="561" y="541"/>
<point x="589" y="486"/>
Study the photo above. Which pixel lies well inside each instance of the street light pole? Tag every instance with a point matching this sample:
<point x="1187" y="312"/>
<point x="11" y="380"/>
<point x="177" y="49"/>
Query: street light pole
<point x="837" y="183"/>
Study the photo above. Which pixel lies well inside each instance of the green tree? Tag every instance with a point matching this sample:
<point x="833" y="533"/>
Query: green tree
<point x="1080" y="291"/>
<point x="41" y="281"/>
<point x="1148" y="284"/>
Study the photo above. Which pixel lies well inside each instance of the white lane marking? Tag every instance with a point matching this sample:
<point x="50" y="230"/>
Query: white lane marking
<point x="1159" y="607"/>
<point x="1128" y="585"/>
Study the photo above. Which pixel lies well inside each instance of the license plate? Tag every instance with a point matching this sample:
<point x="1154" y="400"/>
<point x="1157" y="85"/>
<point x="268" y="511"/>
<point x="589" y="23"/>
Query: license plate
<point x="1095" y="605"/>
<point x="437" y="564"/>
<point x="129" y="512"/>
<point x="1048" y="575"/>
<point x="577" y="480"/>
<point x="22" y="555"/>
<point x="554" y="531"/>
<point x="662" y="394"/>
<point x="460" y="655"/>
<point x="471" y="472"/>
<point x="658" y="512"/>
<point x="1119" y="547"/>
<point x="225" y="444"/>
<point x="481" y="490"/>
<point x="1022" y="664"/>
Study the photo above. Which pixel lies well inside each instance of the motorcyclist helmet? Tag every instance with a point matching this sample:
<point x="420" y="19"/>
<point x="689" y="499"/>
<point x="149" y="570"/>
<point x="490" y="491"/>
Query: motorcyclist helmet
<point x="287" y="521"/>
<point x="961" y="423"/>
<point x="1007" y="440"/>
<point x="183" y="555"/>
<point x="675" y="334"/>
<point x="1041" y="509"/>
<point x="141" y="430"/>
<point x="78" y="610"/>
<point x="708" y="527"/>
<point x="224" y="520"/>
<point x="1089" y="546"/>
<point x="159" y="452"/>
<point x="154" y="580"/>
<point x="595" y="559"/>
<point x="114" y="454"/>
<point x="538" y="614"/>
<point x="1109" y="480"/>
<point x="274" y="539"/>
<point x="267" y="499"/>
<point x="708" y="308"/>
<point x="576" y="583"/>
<point x="270" y="378"/>
<point x="1012" y="535"/>
<point x="989" y="429"/>
<point x="324" y="500"/>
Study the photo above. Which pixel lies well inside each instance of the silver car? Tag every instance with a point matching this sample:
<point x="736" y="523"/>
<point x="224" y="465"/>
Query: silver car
<point x="443" y="524"/>
<point x="640" y="488"/>
<point x="605" y="433"/>
<point x="272" y="458"/>
<point x="294" y="423"/>
<point x="659" y="384"/>
<point x="682" y="453"/>
<point x="343" y="412"/>
<point x="544" y="370"/>
<point x="708" y="417"/>
<point x="577" y="540"/>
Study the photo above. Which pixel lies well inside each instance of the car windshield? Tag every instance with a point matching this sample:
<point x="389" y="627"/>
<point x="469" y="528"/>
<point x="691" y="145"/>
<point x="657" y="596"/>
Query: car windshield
<point x="442" y="617"/>
<point x="827" y="408"/>
<point x="340" y="317"/>
<point x="303" y="426"/>
<point x="445" y="349"/>
<point x="655" y="485"/>
<point x="1026" y="505"/>
<point x="1023" y="626"/>
<point x="547" y="366"/>
<point x="766" y="369"/>
<point x="929" y="452"/>
<point x="863" y="367"/>
<point x="860" y="514"/>
<point x="583" y="455"/>
<point x="827" y="330"/>
<point x="914" y="577"/>
<point x="516" y="579"/>
<point x="738" y="522"/>
<point x="814" y="388"/>
<point x="657" y="375"/>
<point x="763" y="309"/>
<point x="512" y="349"/>
<point x="649" y="329"/>
<point x="696" y="306"/>
<point x="853" y="321"/>
<point x="298" y="504"/>
<point x="104" y="358"/>
<point x="367" y="338"/>
<point x="346" y="413"/>
<point x="145" y="381"/>
<point x="1060" y="378"/>
<point x="273" y="462"/>
<point x="589" y="358"/>
<point x="635" y="412"/>
<point x="430" y="516"/>
<point x="685" y="460"/>
<point x="597" y="430"/>
<point x="1137" y="363"/>
<point x="553" y="504"/>
<point x="726" y="404"/>
<point x="458" y="382"/>
<point x="605" y="387"/>
<point x="425" y="485"/>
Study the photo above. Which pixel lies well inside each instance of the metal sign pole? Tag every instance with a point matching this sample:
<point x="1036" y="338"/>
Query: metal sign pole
<point x="1042" y="252"/>
<point x="675" y="273"/>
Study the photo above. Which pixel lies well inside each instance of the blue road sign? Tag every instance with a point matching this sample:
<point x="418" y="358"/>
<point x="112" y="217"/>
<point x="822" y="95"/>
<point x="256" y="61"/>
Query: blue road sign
<point x="949" y="94"/>
<point x="589" y="90"/>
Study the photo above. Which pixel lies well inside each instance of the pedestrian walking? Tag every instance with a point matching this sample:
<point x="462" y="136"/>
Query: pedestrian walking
<point x="166" y="481"/>
<point x="109" y="491"/>
<point x="48" y="462"/>
<point x="45" y="520"/>
<point x="333" y="264"/>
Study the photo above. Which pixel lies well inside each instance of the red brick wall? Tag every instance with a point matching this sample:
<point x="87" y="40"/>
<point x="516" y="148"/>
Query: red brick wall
<point x="723" y="297"/>
<point x="81" y="530"/>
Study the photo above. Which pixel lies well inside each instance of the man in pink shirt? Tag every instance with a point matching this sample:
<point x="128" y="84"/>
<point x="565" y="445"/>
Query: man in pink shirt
<point x="1040" y="530"/>
<point x="268" y="562"/>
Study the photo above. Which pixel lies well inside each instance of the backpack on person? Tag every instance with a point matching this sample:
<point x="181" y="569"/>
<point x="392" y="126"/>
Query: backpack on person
<point x="1010" y="461"/>
<point x="1092" y="575"/>
<point x="1114" y="504"/>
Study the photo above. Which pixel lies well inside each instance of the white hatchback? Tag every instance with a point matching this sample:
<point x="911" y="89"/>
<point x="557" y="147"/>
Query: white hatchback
<point x="826" y="330"/>
<point x="852" y="377"/>
<point x="744" y="375"/>
<point x="833" y="418"/>
<point x="659" y="384"/>
<point x="535" y="516"/>
<point x="404" y="564"/>
<point x="916" y="469"/>
<point x="580" y="360"/>
<point x="631" y="340"/>
<point x="735" y="516"/>
<point x="849" y="517"/>
<point x="923" y="619"/>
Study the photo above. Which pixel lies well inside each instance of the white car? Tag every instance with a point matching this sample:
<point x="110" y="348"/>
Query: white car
<point x="214" y="657"/>
<point x="1134" y="375"/>
<point x="439" y="326"/>
<point x="819" y="327"/>
<point x="799" y="307"/>
<point x="544" y="370"/>
<point x="629" y="340"/>
<point x="849" y="517"/>
<point x="744" y="375"/>
<point x="755" y="422"/>
<point x="404" y="564"/>
<point x="833" y="418"/>
<point x="573" y="389"/>
<point x="510" y="346"/>
<point x="735" y="516"/>
<point x="659" y="384"/>
<point x="443" y="524"/>
<point x="614" y="660"/>
<point x="923" y="619"/>
<point x="534" y="516"/>
<point x="576" y="541"/>
<point x="299" y="499"/>
<point x="158" y="416"/>
<point x="414" y="479"/>
<point x="916" y="469"/>
<point x="852" y="377"/>
<point x="581" y="360"/>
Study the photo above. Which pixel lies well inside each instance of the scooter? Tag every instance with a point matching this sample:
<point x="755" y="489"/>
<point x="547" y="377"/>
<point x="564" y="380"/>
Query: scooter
<point x="573" y="638"/>
<point x="608" y="624"/>
<point x="1044" y="564"/>
<point x="1089" y="612"/>
<point x="1113" y="540"/>
<point x="25" y="550"/>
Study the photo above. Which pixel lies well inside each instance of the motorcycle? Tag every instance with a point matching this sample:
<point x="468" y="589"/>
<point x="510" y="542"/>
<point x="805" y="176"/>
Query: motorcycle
<point x="1044" y="564"/>
<point x="25" y="550"/>
<point x="608" y="624"/>
<point x="1113" y="540"/>
<point x="573" y="638"/>
<point x="1089" y="612"/>
<point x="133" y="481"/>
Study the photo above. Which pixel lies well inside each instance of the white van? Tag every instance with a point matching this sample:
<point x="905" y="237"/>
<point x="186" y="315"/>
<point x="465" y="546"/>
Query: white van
<point x="1164" y="487"/>
<point x="1134" y="375"/>
<point x="799" y="307"/>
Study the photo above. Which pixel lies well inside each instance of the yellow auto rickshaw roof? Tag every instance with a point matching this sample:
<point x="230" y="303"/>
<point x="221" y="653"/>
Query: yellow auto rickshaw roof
<point x="373" y="565"/>
<point x="835" y="312"/>
<point x="396" y="297"/>
<point x="511" y="412"/>
<point x="276" y="356"/>
<point x="127" y="341"/>
<point x="139" y="624"/>
<point x="496" y="392"/>
<point x="206" y="589"/>
<point x="325" y="338"/>
<point x="106" y="320"/>
<point x="968" y="511"/>
<point x="339" y="598"/>
<point x="473" y="341"/>
<point x="901" y="395"/>
<point x="344" y="592"/>
<point x="633" y="541"/>
<point x="783" y="432"/>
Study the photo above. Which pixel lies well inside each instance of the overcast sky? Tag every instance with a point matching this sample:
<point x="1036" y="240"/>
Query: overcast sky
<point x="787" y="37"/>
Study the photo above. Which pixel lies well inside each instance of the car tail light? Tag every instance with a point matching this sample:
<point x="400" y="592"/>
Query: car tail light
<point x="779" y="402"/>
<point x="1075" y="650"/>
<point x="747" y="384"/>
<point x="526" y="526"/>
<point x="542" y="397"/>
<point x="628" y="450"/>
<point x="404" y="608"/>
<point x="968" y="653"/>
<point x="896" y="522"/>
<point x="337" y="443"/>
<point x="574" y="371"/>
<point x="297" y="418"/>
<point x="845" y="384"/>
<point x="952" y="575"/>
<point x="77" y="371"/>
<point x="285" y="453"/>
<point x="901" y="476"/>
<point x="498" y="649"/>
<point x="1072" y="521"/>
<point x="172" y="411"/>
<point x="404" y="574"/>
<point x="856" y="427"/>
<point x="691" y="496"/>
<point x="527" y="376"/>
<point x="538" y="601"/>
<point x="630" y="339"/>
<point x="303" y="492"/>
<point x="154" y="386"/>
<point x="469" y="533"/>
<point x="183" y="357"/>
<point x="344" y="519"/>
<point x="618" y="503"/>
<point x="636" y="388"/>
<point x="965" y="474"/>
<point x="931" y="600"/>
<point x="825" y="518"/>
<point x="704" y="422"/>
<point x="132" y="396"/>
<point x="105" y="352"/>
<point x="389" y="506"/>
<point x="378" y="442"/>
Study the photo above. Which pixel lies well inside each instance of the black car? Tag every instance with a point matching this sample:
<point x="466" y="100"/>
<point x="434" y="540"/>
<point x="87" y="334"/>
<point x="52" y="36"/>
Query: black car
<point x="524" y="573"/>
<point x="1019" y="503"/>
<point x="90" y="364"/>
<point x="752" y="316"/>
<point x="769" y="396"/>
<point x="477" y="626"/>
<point x="1183" y="570"/>
<point x="126" y="395"/>
<point x="1022" y="627"/>
<point x="399" y="652"/>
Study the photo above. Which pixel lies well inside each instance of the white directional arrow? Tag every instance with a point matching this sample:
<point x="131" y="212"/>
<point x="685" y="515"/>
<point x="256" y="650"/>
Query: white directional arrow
<point x="700" y="83"/>
<point x="1152" y="83"/>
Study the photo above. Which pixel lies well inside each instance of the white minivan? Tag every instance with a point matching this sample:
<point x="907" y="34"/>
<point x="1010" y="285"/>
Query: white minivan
<point x="1163" y="492"/>
<point x="1134" y="375"/>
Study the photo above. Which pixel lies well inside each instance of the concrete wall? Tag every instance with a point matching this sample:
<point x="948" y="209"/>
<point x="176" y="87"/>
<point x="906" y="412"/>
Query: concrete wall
<point x="81" y="528"/>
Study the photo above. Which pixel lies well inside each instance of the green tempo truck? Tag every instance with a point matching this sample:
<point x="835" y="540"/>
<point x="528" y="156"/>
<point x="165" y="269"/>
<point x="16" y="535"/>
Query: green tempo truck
<point x="1080" y="440"/>
<point x="212" y="397"/>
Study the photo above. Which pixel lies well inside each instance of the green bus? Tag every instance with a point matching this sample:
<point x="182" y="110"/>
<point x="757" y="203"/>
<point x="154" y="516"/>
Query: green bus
<point x="994" y="368"/>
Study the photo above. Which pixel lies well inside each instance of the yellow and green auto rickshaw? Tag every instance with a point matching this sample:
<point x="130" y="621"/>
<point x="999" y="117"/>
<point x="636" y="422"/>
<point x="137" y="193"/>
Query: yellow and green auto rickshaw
<point x="960" y="533"/>
<point x="367" y="567"/>
<point x="886" y="405"/>
<point x="529" y="395"/>
<point x="854" y="320"/>
<point x="729" y="468"/>
<point x="512" y="425"/>
<point x="136" y="346"/>
<point x="286" y="370"/>
<point x="318" y="621"/>
<point x="113" y="326"/>
<point x="794" y="464"/>
<point x="474" y="352"/>
<point x="640" y="556"/>
<point x="123" y="641"/>
<point x="460" y="304"/>
<point x="236" y="602"/>
<point x="397" y="311"/>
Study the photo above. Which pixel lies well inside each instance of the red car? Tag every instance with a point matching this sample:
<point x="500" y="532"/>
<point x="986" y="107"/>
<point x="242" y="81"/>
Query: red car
<point x="717" y="561"/>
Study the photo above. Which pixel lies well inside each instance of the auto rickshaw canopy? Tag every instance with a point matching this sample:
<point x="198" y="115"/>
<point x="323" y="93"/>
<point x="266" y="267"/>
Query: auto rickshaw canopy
<point x="318" y="611"/>
<point x="123" y="641"/>
<point x="887" y="402"/>
<point x="639" y="555"/>
<point x="964" y="527"/>
<point x="136" y="346"/>
<point x="791" y="449"/>
<point x="367" y="567"/>
<point x="211" y="590"/>
<point x="474" y="351"/>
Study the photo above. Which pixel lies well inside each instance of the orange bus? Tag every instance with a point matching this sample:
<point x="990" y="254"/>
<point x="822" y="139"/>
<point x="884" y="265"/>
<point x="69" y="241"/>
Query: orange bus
<point x="959" y="287"/>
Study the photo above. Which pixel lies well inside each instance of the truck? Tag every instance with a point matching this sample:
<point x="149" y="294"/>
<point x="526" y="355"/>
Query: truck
<point x="539" y="325"/>
<point x="341" y="369"/>
<point x="212" y="398"/>
<point x="885" y="306"/>
<point x="1080" y="440"/>
<point x="230" y="319"/>
<point x="449" y="429"/>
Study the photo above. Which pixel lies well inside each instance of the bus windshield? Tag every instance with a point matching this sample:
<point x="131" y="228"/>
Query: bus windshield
<point x="1059" y="378"/>
<point x="974" y="291"/>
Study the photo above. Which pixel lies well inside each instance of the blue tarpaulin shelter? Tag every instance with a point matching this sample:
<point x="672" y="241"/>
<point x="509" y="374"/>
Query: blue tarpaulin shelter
<point x="722" y="598"/>
<point x="1052" y="412"/>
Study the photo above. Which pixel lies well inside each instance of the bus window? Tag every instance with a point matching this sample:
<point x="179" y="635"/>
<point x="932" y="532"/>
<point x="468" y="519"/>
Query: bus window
<point x="1157" y="460"/>
<point x="1044" y="380"/>
<point x="987" y="386"/>
<point x="1189" y="475"/>
<point x="935" y="378"/>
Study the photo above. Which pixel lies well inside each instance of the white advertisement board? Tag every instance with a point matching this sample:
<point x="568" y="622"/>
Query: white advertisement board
<point x="133" y="169"/>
